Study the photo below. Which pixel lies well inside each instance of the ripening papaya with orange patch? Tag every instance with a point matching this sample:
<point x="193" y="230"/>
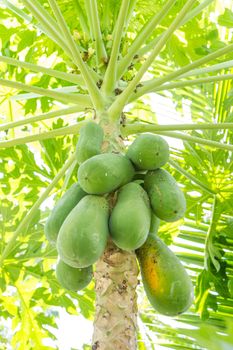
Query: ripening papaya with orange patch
<point x="165" y="280"/>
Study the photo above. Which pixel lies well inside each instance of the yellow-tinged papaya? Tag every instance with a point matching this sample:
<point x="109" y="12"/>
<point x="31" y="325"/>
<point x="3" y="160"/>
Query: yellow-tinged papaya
<point x="165" y="280"/>
<point x="148" y="152"/>
<point x="90" y="141"/>
<point x="83" y="235"/>
<point x="62" y="208"/>
<point x="130" y="219"/>
<point x="166" y="198"/>
<point x="72" y="278"/>
<point x="104" y="173"/>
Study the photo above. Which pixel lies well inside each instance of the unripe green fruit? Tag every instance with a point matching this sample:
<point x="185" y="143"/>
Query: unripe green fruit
<point x="167" y="200"/>
<point x="83" y="235"/>
<point x="148" y="152"/>
<point x="129" y="222"/>
<point x="104" y="173"/>
<point x="90" y="141"/>
<point x="154" y="224"/>
<point x="61" y="210"/>
<point x="72" y="278"/>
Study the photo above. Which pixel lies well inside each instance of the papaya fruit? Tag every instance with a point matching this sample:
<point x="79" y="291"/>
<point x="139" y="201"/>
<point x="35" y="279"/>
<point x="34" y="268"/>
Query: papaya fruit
<point x="104" y="173"/>
<point x="148" y="152"/>
<point x="72" y="278"/>
<point x="166" y="198"/>
<point x="62" y="208"/>
<point x="166" y="282"/>
<point x="154" y="224"/>
<point x="129" y="222"/>
<point x="83" y="235"/>
<point x="90" y="141"/>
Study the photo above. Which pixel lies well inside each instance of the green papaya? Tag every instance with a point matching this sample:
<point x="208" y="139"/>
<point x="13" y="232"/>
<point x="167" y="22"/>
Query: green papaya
<point x="165" y="280"/>
<point x="62" y="208"/>
<point x="154" y="225"/>
<point x="83" y="235"/>
<point x="167" y="200"/>
<point x="72" y="278"/>
<point x="148" y="152"/>
<point x="90" y="141"/>
<point x="129" y="222"/>
<point x="104" y="173"/>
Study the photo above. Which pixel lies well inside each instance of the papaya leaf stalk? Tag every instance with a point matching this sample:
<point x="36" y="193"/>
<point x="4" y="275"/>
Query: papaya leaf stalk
<point x="110" y="76"/>
<point x="96" y="97"/>
<point x="38" y="118"/>
<point x="73" y="78"/>
<point x="101" y="55"/>
<point x="191" y="14"/>
<point x="80" y="99"/>
<point x="140" y="39"/>
<point x="19" y="12"/>
<point x="89" y="17"/>
<point x="82" y="20"/>
<point x="118" y="105"/>
<point x="49" y="25"/>
<point x="68" y="130"/>
<point x="179" y="84"/>
<point x="183" y="136"/>
<point x="135" y="128"/>
<point x="188" y="68"/>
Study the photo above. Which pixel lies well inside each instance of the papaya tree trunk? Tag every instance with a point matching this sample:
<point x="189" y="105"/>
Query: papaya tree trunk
<point x="115" y="323"/>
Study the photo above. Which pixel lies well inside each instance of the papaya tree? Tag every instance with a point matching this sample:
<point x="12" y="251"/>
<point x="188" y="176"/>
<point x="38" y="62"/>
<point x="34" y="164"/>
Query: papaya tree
<point x="128" y="67"/>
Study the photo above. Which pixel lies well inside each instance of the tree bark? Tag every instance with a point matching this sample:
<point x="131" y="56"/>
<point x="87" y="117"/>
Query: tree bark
<point x="115" y="324"/>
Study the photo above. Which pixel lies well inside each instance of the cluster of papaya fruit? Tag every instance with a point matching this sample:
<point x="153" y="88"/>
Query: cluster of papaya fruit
<point x="121" y="197"/>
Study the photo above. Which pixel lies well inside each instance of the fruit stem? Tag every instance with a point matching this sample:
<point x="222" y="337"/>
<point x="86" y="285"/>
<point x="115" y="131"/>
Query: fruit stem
<point x="113" y="142"/>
